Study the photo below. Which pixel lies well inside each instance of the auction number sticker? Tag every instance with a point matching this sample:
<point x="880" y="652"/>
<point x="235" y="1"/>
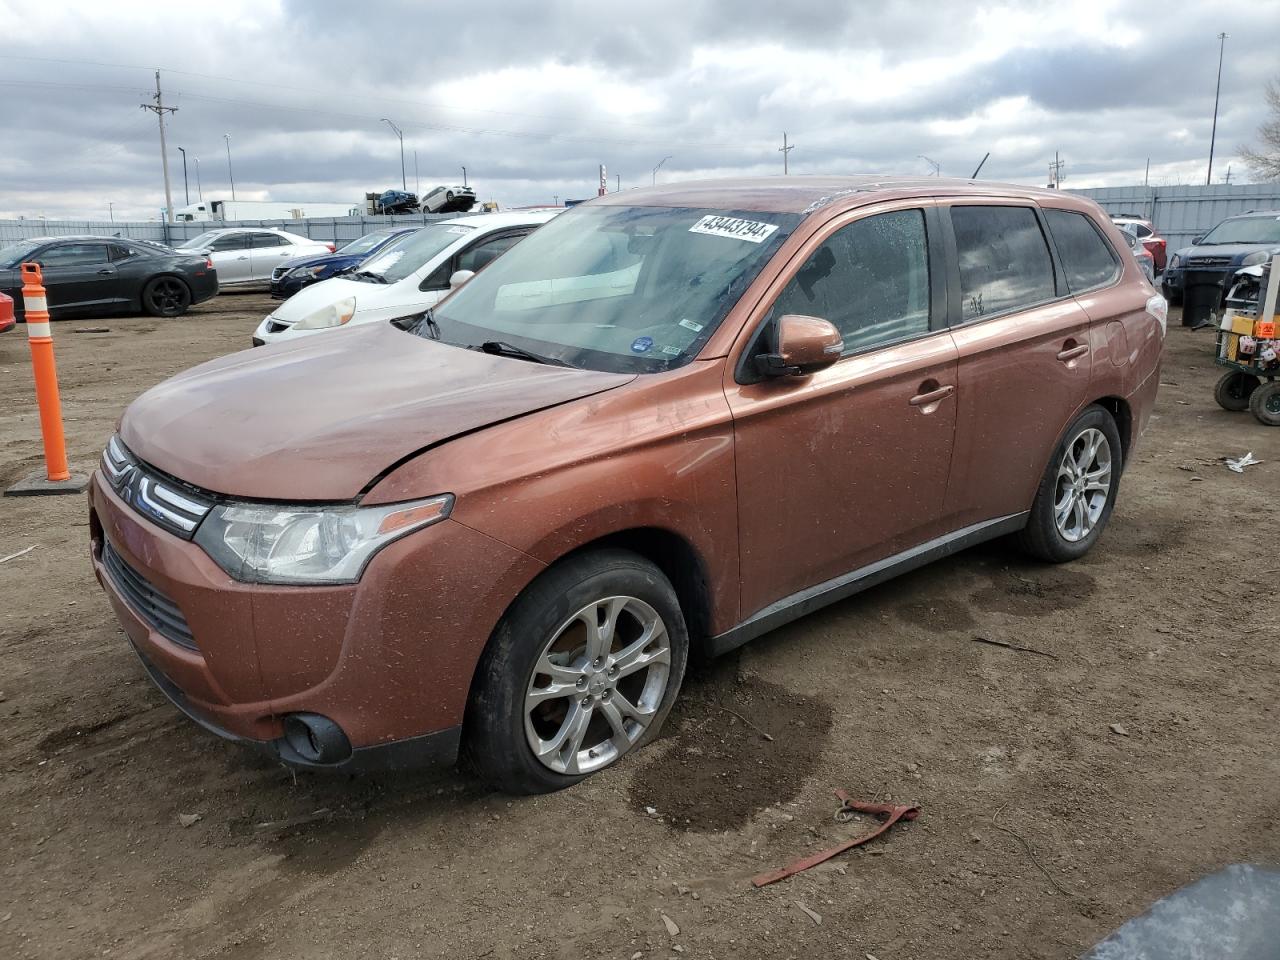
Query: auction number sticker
<point x="753" y="231"/>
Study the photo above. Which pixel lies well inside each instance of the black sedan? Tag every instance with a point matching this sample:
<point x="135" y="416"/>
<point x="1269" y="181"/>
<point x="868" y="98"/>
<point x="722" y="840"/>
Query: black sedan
<point x="101" y="275"/>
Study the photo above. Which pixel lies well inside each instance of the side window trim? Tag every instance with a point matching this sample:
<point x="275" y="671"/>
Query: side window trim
<point x="955" y="307"/>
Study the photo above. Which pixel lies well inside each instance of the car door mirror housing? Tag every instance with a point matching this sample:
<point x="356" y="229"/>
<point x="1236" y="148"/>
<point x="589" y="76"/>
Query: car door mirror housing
<point x="805" y="345"/>
<point x="1195" y="240"/>
<point x="459" y="277"/>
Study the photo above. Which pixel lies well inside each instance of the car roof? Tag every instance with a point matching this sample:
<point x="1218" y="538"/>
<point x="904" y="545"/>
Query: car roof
<point x="1253" y="213"/>
<point x="806" y="194"/>
<point x="499" y="220"/>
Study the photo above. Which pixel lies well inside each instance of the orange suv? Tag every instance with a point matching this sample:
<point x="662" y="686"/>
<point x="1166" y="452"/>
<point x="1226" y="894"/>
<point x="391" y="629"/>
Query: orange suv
<point x="670" y="418"/>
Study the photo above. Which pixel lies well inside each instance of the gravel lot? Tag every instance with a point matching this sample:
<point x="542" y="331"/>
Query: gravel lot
<point x="1041" y="831"/>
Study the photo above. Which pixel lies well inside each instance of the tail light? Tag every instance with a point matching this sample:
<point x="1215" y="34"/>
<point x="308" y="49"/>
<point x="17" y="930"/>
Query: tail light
<point x="332" y="247"/>
<point x="1158" y="310"/>
<point x="208" y="262"/>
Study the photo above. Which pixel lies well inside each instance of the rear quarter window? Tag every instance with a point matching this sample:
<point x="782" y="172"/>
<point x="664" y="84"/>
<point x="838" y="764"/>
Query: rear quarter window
<point x="1004" y="260"/>
<point x="1087" y="258"/>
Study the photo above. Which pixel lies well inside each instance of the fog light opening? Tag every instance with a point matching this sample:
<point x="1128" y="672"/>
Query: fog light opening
<point x="316" y="739"/>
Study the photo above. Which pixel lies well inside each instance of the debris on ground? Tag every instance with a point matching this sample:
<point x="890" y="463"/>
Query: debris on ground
<point x="848" y="808"/>
<point x="189" y="819"/>
<point x="1237" y="466"/>
<point x="670" y="924"/>
<point x="92" y="330"/>
<point x="20" y="553"/>
<point x="734" y="713"/>
<point x="816" y="918"/>
<point x="1118" y="729"/>
<point x="1013" y="646"/>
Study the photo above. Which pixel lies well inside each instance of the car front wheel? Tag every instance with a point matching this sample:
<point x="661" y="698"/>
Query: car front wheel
<point x="580" y="672"/>
<point x="1078" y="490"/>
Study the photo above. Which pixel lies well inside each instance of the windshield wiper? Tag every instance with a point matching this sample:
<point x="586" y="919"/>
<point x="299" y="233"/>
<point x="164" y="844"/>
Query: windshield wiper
<point x="376" y="277"/>
<point x="503" y="349"/>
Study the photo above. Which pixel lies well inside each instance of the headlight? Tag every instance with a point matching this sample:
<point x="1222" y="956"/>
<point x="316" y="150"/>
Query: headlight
<point x="266" y="543"/>
<point x="1253" y="259"/>
<point x="307" y="271"/>
<point x="1175" y="262"/>
<point x="332" y="315"/>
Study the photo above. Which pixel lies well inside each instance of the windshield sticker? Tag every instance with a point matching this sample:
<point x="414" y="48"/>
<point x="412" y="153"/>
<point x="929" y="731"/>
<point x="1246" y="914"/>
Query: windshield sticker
<point x="672" y="351"/>
<point x="690" y="325"/>
<point x="642" y="344"/>
<point x="753" y="231"/>
<point x="462" y="230"/>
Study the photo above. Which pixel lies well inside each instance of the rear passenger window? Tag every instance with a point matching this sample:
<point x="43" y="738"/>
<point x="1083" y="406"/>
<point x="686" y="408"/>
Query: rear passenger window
<point x="1086" y="257"/>
<point x="1004" y="261"/>
<point x="870" y="279"/>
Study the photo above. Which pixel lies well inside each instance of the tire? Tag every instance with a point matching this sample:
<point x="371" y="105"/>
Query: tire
<point x="1234" y="389"/>
<point x="448" y="195"/>
<point x="1264" y="403"/>
<point x="1045" y="537"/>
<point x="166" y="296"/>
<point x="542" y="629"/>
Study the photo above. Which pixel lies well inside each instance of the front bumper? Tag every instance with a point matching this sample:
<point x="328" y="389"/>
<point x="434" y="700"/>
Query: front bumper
<point x="388" y="660"/>
<point x="286" y="286"/>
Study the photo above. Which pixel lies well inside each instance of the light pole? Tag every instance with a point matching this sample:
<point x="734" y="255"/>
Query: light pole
<point x="464" y="176"/>
<point x="230" y="175"/>
<point x="417" y="186"/>
<point x="1222" y="44"/>
<point x="657" y="168"/>
<point x="199" y="189"/>
<point x="186" y="193"/>
<point x="111" y="210"/>
<point x="404" y="183"/>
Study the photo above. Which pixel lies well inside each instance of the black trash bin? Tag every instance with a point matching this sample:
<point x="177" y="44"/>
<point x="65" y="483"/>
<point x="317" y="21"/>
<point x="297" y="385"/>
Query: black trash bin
<point x="1201" y="295"/>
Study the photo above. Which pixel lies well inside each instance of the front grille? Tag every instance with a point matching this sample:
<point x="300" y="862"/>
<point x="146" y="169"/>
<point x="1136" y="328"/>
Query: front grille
<point x="159" y="500"/>
<point x="157" y="610"/>
<point x="1208" y="261"/>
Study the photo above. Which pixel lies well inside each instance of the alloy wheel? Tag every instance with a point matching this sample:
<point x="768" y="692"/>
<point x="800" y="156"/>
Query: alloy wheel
<point x="1083" y="485"/>
<point x="167" y="296"/>
<point x="597" y="685"/>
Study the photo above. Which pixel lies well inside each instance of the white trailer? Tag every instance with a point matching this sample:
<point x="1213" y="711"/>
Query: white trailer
<point x="230" y="210"/>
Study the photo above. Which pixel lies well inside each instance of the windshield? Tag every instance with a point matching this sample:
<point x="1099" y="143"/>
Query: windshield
<point x="199" y="241"/>
<point x="624" y="289"/>
<point x="1245" y="230"/>
<point x="404" y="256"/>
<point x="365" y="244"/>
<point x="16" y="253"/>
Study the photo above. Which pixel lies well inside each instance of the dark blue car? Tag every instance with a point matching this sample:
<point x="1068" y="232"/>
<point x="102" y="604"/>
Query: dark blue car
<point x="1236" y="242"/>
<point x="292" y="275"/>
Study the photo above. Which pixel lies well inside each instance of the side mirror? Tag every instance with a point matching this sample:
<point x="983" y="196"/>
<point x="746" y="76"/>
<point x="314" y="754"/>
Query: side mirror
<point x="460" y="277"/>
<point x="1195" y="240"/>
<point x="805" y="345"/>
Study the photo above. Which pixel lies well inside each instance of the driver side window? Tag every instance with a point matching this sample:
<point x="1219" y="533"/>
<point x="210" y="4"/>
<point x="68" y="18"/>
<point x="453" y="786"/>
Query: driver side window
<point x="870" y="279"/>
<point x="230" y="241"/>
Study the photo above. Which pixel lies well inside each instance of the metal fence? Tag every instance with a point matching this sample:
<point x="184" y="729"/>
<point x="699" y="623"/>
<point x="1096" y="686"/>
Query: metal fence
<point x="337" y="230"/>
<point x="1183" y="213"/>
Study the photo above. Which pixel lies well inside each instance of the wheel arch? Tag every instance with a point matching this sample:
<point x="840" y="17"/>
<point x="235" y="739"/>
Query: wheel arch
<point x="1122" y="414"/>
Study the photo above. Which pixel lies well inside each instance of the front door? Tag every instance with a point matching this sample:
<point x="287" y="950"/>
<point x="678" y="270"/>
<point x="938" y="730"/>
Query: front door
<point x="231" y="255"/>
<point x="77" y="275"/>
<point x="1023" y="345"/>
<point x="848" y="466"/>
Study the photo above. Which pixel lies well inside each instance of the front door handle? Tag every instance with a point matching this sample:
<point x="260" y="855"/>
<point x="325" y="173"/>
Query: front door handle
<point x="104" y="273"/>
<point x="245" y="257"/>
<point x="1067" y="354"/>
<point x="932" y="395"/>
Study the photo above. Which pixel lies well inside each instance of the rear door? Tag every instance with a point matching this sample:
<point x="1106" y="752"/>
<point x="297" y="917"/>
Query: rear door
<point x="78" y="275"/>
<point x="848" y="466"/>
<point x="1024" y="354"/>
<point x="267" y="251"/>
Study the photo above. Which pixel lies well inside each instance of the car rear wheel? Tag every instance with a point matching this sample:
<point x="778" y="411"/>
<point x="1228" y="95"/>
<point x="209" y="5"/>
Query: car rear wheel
<point x="581" y="671"/>
<point x="1234" y="389"/>
<point x="166" y="297"/>
<point x="1078" y="490"/>
<point x="1264" y="403"/>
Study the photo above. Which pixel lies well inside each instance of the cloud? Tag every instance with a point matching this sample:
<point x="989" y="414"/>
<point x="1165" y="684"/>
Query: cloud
<point x="531" y="97"/>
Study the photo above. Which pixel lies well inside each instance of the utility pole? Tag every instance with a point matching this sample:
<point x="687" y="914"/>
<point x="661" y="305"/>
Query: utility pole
<point x="784" y="150"/>
<point x="657" y="168"/>
<point x="619" y="178"/>
<point x="199" y="189"/>
<point x="186" y="193"/>
<point x="937" y="167"/>
<point x="404" y="184"/>
<point x="230" y="175"/>
<point x="1146" y="174"/>
<point x="1227" y="178"/>
<point x="1055" y="172"/>
<point x="464" y="176"/>
<point x="417" y="185"/>
<point x="159" y="109"/>
<point x="111" y="210"/>
<point x="1222" y="44"/>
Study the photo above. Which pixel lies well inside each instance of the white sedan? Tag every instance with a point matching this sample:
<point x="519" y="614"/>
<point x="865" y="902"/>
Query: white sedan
<point x="406" y="277"/>
<point x="245" y="256"/>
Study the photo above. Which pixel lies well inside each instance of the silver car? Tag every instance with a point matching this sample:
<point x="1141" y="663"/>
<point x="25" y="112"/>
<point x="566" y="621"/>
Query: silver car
<point x="245" y="256"/>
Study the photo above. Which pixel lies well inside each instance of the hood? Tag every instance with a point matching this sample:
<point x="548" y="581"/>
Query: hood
<point x="335" y="260"/>
<point x="311" y="298"/>
<point x="320" y="418"/>
<point x="1236" y="251"/>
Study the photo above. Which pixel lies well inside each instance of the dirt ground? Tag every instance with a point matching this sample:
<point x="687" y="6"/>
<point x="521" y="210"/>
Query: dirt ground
<point x="1042" y="829"/>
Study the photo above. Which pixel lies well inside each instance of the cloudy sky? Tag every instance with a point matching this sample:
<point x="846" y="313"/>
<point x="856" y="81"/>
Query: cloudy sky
<point x="532" y="96"/>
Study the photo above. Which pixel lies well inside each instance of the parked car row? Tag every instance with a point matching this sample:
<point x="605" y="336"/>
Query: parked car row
<point x="1246" y="240"/>
<point x="669" y="420"/>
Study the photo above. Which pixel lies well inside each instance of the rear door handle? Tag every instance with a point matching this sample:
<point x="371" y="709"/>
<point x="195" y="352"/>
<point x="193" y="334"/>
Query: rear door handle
<point x="932" y="396"/>
<point x="1067" y="354"/>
